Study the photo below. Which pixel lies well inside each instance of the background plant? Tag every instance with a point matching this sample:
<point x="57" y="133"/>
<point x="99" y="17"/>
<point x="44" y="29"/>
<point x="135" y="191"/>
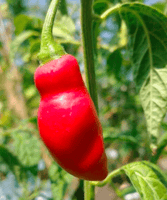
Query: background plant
<point x="132" y="33"/>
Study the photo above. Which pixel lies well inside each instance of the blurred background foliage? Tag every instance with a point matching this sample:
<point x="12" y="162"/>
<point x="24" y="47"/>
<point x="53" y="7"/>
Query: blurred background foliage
<point x="26" y="169"/>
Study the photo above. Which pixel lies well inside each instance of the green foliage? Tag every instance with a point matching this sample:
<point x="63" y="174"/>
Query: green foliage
<point x="5" y="119"/>
<point x="19" y="40"/>
<point x="131" y="46"/>
<point x="8" y="157"/>
<point x="148" y="180"/>
<point x="148" y="33"/>
<point x="101" y="6"/>
<point x="162" y="141"/>
<point x="64" y="27"/>
<point x="34" y="48"/>
<point x="60" y="181"/>
<point x="63" y="7"/>
<point x="16" y="6"/>
<point x="26" y="148"/>
<point x="124" y="136"/>
<point x="24" y="22"/>
<point x="160" y="6"/>
<point x="114" y="63"/>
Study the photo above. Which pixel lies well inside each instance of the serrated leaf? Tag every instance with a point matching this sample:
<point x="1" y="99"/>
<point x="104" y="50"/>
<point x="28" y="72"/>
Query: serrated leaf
<point x="148" y="43"/>
<point x="26" y="148"/>
<point x="154" y="101"/>
<point x="148" y="180"/>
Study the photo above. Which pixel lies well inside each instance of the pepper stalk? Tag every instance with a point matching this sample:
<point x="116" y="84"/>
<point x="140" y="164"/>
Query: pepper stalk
<point x="50" y="50"/>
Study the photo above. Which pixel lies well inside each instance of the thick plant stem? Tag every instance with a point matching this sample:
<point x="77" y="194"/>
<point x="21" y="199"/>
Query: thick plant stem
<point x="49" y="49"/>
<point x="88" y="191"/>
<point x="86" y="25"/>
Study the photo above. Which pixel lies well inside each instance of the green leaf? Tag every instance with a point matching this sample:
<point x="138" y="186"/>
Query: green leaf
<point x="19" y="40"/>
<point x="10" y="161"/>
<point x="153" y="98"/>
<point x="35" y="46"/>
<point x="26" y="148"/>
<point x="5" y="119"/>
<point x="160" y="5"/>
<point x="123" y="39"/>
<point x="148" y="44"/>
<point x="114" y="63"/>
<point x="148" y="180"/>
<point x="64" y="27"/>
<point x="126" y="136"/>
<point x="60" y="180"/>
<point x="30" y="91"/>
<point x="33" y="120"/>
<point x="100" y="6"/>
<point x="20" y="22"/>
<point x="58" y="189"/>
<point x="16" y="6"/>
<point x="162" y="142"/>
<point x="24" y="23"/>
<point x="8" y="157"/>
<point x="54" y="172"/>
<point x="162" y="176"/>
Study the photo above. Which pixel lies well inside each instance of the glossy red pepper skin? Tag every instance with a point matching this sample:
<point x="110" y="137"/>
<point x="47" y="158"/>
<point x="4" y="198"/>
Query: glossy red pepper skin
<point x="68" y="121"/>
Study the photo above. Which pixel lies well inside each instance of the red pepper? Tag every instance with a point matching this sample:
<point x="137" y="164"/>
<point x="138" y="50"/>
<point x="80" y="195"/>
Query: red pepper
<point x="67" y="118"/>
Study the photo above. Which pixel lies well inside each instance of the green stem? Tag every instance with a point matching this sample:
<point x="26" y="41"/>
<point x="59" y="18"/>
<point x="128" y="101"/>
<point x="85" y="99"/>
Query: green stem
<point x="49" y="49"/>
<point x="87" y="39"/>
<point x="110" y="11"/>
<point x="89" y="191"/>
<point x="109" y="177"/>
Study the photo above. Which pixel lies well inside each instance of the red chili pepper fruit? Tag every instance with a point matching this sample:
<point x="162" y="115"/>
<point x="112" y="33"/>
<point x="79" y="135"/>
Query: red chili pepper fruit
<point x="68" y="121"/>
